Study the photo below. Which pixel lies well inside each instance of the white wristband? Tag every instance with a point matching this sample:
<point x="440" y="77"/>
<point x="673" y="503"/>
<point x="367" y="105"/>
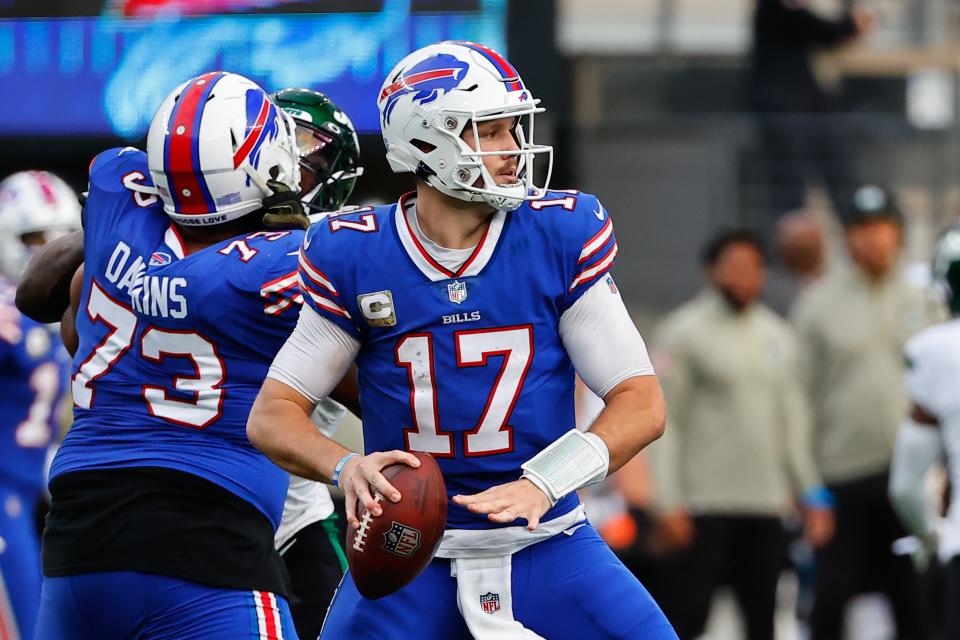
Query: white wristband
<point x="574" y="460"/>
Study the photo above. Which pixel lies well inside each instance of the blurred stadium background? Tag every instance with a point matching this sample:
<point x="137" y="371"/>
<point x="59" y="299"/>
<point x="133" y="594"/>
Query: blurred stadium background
<point x="647" y="106"/>
<point x="647" y="99"/>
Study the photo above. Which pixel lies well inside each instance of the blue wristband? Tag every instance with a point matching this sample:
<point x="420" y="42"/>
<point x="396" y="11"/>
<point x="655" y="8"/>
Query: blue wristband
<point x="819" y="497"/>
<point x="336" y="470"/>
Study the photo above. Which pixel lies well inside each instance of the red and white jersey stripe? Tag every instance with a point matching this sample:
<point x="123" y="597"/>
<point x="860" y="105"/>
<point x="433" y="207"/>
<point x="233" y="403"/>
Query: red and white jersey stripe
<point x="270" y="627"/>
<point x="315" y="276"/>
<point x="281" y="294"/>
<point x="598" y="269"/>
<point x="596" y="243"/>
<point x="321" y="300"/>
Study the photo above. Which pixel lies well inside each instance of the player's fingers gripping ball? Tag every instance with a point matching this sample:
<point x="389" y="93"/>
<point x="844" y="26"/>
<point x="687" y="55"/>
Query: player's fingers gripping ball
<point x="387" y="551"/>
<point x="361" y="479"/>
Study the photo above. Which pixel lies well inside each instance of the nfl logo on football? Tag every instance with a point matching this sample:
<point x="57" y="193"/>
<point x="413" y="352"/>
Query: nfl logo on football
<point x="490" y="602"/>
<point x="401" y="540"/>
<point x="457" y="291"/>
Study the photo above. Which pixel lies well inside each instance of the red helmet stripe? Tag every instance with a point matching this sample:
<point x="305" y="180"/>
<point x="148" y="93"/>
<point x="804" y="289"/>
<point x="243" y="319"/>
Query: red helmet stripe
<point x="507" y="71"/>
<point x="409" y="81"/>
<point x="182" y="153"/>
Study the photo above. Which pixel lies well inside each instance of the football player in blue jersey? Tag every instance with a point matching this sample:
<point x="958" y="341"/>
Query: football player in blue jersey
<point x="34" y="207"/>
<point x="468" y="306"/>
<point x="163" y="514"/>
<point x="308" y="537"/>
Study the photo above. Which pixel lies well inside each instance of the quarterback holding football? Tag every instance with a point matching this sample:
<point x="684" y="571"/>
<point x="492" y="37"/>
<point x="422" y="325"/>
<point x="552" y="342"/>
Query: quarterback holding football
<point x="468" y="306"/>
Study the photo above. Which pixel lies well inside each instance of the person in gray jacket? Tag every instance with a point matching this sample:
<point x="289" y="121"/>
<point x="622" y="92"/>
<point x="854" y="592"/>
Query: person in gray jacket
<point x="737" y="453"/>
<point x="853" y="325"/>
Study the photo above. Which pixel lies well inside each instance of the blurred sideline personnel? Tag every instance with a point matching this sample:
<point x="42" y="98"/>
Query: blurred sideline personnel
<point x="800" y="249"/>
<point x="930" y="430"/>
<point x="853" y="325"/>
<point x="736" y="451"/>
<point x="163" y="514"/>
<point x="485" y="296"/>
<point x="35" y="206"/>
<point x="799" y="134"/>
<point x="308" y="537"/>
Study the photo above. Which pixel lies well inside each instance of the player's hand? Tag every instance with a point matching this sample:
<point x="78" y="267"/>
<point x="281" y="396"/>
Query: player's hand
<point x="361" y="479"/>
<point x="818" y="526"/>
<point x="675" y="531"/>
<point x="507" y="502"/>
<point x="282" y="209"/>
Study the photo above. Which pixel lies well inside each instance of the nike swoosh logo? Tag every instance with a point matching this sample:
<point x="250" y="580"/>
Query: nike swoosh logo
<point x="599" y="212"/>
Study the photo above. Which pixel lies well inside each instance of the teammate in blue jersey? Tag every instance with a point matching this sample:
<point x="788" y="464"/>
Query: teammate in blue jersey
<point x="468" y="306"/>
<point x="34" y="207"/>
<point x="163" y="514"/>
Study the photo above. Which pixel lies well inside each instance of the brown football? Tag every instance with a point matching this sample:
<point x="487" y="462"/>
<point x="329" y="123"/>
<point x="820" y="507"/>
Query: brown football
<point x="390" y="550"/>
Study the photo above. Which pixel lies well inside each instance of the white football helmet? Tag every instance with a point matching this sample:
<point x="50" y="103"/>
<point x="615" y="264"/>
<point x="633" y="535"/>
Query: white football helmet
<point x="33" y="202"/>
<point x="436" y="91"/>
<point x="214" y="143"/>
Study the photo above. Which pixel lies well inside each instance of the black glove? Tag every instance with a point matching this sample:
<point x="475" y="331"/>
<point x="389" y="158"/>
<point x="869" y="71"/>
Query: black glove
<point x="283" y="209"/>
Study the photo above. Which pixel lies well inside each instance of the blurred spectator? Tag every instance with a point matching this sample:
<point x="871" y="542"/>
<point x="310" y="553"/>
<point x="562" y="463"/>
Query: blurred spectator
<point x="800" y="249"/>
<point x="853" y="325"/>
<point x="736" y="450"/>
<point x="798" y="136"/>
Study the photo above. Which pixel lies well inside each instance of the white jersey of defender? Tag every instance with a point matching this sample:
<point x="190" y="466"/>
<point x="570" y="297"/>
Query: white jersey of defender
<point x="308" y="501"/>
<point x="933" y="382"/>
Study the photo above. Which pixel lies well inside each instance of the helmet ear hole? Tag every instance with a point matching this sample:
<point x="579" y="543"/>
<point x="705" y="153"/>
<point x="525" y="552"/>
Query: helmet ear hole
<point x="423" y="145"/>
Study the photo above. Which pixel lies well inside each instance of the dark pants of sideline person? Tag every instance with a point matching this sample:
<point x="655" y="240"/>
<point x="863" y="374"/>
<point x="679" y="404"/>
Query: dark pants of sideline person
<point x="859" y="559"/>
<point x="746" y="552"/>
<point x="951" y="596"/>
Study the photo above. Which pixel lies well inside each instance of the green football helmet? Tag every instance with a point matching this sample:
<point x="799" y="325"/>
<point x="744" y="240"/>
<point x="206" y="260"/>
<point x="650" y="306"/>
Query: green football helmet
<point x="946" y="268"/>
<point x="329" y="149"/>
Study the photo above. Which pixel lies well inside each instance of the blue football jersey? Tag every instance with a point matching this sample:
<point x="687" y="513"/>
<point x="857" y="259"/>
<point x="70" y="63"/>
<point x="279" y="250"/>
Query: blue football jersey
<point x="173" y="348"/>
<point x="33" y="371"/>
<point x="466" y="365"/>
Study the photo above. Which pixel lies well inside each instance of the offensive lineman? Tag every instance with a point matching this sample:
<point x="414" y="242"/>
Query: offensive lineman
<point x="468" y="306"/>
<point x="308" y="535"/>
<point x="163" y="514"/>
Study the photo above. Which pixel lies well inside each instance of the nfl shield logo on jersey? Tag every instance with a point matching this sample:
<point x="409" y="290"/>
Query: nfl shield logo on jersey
<point x="457" y="291"/>
<point x="490" y="602"/>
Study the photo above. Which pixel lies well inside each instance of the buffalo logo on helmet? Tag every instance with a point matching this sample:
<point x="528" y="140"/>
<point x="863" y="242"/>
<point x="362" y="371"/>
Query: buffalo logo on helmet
<point x="401" y="540"/>
<point x="427" y="80"/>
<point x="263" y="125"/>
